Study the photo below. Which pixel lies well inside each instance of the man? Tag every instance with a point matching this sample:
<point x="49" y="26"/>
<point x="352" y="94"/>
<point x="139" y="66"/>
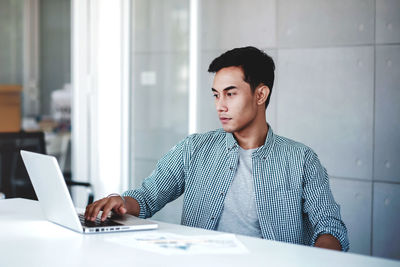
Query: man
<point x="243" y="178"/>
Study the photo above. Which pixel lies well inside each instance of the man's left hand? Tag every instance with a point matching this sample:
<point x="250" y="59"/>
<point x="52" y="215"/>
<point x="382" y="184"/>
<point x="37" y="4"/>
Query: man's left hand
<point x="328" y="241"/>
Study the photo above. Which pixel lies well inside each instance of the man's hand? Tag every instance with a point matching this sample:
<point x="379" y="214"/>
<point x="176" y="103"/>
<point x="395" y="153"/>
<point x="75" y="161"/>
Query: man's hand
<point x="328" y="241"/>
<point x="112" y="203"/>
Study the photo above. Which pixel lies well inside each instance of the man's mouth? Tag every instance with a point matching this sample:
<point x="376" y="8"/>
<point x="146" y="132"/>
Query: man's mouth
<point x="224" y="119"/>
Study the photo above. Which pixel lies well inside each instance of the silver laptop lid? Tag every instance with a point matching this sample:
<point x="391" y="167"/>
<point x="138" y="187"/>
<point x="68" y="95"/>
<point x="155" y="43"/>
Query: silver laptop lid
<point x="51" y="190"/>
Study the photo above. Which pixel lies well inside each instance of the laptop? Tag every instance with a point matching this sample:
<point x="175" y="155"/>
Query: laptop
<point x="56" y="203"/>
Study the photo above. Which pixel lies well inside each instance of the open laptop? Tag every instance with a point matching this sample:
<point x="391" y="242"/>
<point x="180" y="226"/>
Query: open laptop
<point x="55" y="200"/>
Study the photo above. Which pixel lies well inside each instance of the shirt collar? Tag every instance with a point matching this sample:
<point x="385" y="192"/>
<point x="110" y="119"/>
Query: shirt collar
<point x="262" y="151"/>
<point x="231" y="142"/>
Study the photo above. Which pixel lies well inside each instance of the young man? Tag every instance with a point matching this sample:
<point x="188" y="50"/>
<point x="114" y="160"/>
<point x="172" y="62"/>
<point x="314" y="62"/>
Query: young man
<point x="243" y="178"/>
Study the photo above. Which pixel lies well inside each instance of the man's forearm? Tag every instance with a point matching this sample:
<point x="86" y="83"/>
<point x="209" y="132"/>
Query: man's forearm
<point x="132" y="206"/>
<point x="328" y="241"/>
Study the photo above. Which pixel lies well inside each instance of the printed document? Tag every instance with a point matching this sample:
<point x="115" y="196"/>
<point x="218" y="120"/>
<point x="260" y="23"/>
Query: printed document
<point x="166" y="243"/>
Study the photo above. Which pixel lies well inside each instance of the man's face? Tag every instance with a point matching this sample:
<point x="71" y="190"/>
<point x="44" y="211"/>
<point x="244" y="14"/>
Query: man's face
<point x="235" y="103"/>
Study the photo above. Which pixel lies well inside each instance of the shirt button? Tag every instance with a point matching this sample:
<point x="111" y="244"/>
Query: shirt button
<point x="222" y="193"/>
<point x="212" y="218"/>
<point x="231" y="168"/>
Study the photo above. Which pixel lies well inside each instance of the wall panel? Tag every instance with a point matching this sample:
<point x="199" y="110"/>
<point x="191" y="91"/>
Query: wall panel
<point x="387" y="114"/>
<point x="325" y="100"/>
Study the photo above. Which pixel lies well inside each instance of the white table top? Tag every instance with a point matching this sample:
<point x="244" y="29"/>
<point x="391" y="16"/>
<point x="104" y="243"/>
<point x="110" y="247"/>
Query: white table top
<point x="27" y="239"/>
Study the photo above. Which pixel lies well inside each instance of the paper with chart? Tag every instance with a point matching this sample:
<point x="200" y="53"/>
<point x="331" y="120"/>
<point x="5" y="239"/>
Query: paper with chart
<point x="166" y="243"/>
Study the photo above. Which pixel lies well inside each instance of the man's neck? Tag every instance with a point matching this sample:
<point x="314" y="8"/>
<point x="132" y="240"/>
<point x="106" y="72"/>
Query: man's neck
<point x="253" y="137"/>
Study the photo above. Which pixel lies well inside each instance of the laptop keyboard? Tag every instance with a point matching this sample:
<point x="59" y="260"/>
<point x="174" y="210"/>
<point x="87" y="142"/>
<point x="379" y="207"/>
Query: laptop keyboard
<point x="97" y="222"/>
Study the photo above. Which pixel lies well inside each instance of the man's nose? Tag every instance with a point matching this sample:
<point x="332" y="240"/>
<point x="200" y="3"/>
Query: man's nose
<point x="220" y="104"/>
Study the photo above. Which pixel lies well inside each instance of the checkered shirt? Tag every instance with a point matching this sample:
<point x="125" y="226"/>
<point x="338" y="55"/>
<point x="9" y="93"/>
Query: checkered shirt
<point x="293" y="198"/>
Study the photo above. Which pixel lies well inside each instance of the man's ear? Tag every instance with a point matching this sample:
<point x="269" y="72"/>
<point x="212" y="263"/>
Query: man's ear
<point x="262" y="93"/>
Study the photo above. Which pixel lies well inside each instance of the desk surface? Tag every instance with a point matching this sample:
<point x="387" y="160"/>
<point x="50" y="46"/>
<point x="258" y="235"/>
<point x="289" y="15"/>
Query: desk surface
<point x="27" y="239"/>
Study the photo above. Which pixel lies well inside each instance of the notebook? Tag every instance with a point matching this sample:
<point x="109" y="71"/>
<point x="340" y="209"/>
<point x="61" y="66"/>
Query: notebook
<point x="56" y="203"/>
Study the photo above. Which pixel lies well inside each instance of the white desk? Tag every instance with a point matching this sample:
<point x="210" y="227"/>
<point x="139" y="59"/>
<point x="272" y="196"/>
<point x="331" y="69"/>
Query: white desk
<point x="26" y="239"/>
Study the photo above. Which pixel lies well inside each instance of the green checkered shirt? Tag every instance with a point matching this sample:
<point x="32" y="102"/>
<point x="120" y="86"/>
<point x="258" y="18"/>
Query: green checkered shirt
<point x="293" y="198"/>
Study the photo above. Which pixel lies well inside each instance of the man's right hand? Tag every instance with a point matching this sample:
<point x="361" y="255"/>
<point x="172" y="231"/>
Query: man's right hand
<point x="107" y="204"/>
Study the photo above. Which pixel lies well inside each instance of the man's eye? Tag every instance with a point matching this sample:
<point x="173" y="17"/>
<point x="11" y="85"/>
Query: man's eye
<point x="229" y="94"/>
<point x="215" y="96"/>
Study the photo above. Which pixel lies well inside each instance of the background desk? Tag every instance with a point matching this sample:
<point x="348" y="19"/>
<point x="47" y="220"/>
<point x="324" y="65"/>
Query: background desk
<point x="27" y="239"/>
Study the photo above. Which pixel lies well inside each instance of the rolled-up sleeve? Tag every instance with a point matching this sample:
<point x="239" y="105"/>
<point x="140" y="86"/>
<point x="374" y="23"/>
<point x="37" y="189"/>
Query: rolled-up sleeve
<point x="319" y="204"/>
<point x="165" y="183"/>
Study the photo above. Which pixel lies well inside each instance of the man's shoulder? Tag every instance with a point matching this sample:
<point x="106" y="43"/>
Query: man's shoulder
<point x="288" y="144"/>
<point x="211" y="138"/>
<point x="217" y="134"/>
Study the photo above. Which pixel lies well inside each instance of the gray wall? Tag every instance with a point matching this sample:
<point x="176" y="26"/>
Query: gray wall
<point x="337" y="90"/>
<point x="11" y="41"/>
<point x="55" y="49"/>
<point x="160" y="62"/>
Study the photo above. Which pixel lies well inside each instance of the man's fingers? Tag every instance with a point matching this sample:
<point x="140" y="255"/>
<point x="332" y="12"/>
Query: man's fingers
<point x="106" y="205"/>
<point x="107" y="208"/>
<point x="88" y="210"/>
<point x="122" y="210"/>
<point x="93" y="209"/>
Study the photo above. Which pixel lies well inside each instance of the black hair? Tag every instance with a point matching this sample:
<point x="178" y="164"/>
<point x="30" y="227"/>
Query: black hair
<point x="257" y="66"/>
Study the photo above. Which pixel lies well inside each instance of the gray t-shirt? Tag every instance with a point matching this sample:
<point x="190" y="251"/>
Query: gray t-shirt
<point x="239" y="215"/>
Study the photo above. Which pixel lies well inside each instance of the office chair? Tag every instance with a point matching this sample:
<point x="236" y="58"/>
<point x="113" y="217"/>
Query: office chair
<point x="14" y="179"/>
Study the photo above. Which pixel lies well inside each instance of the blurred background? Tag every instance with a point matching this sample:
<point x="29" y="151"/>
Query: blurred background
<point x="115" y="84"/>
